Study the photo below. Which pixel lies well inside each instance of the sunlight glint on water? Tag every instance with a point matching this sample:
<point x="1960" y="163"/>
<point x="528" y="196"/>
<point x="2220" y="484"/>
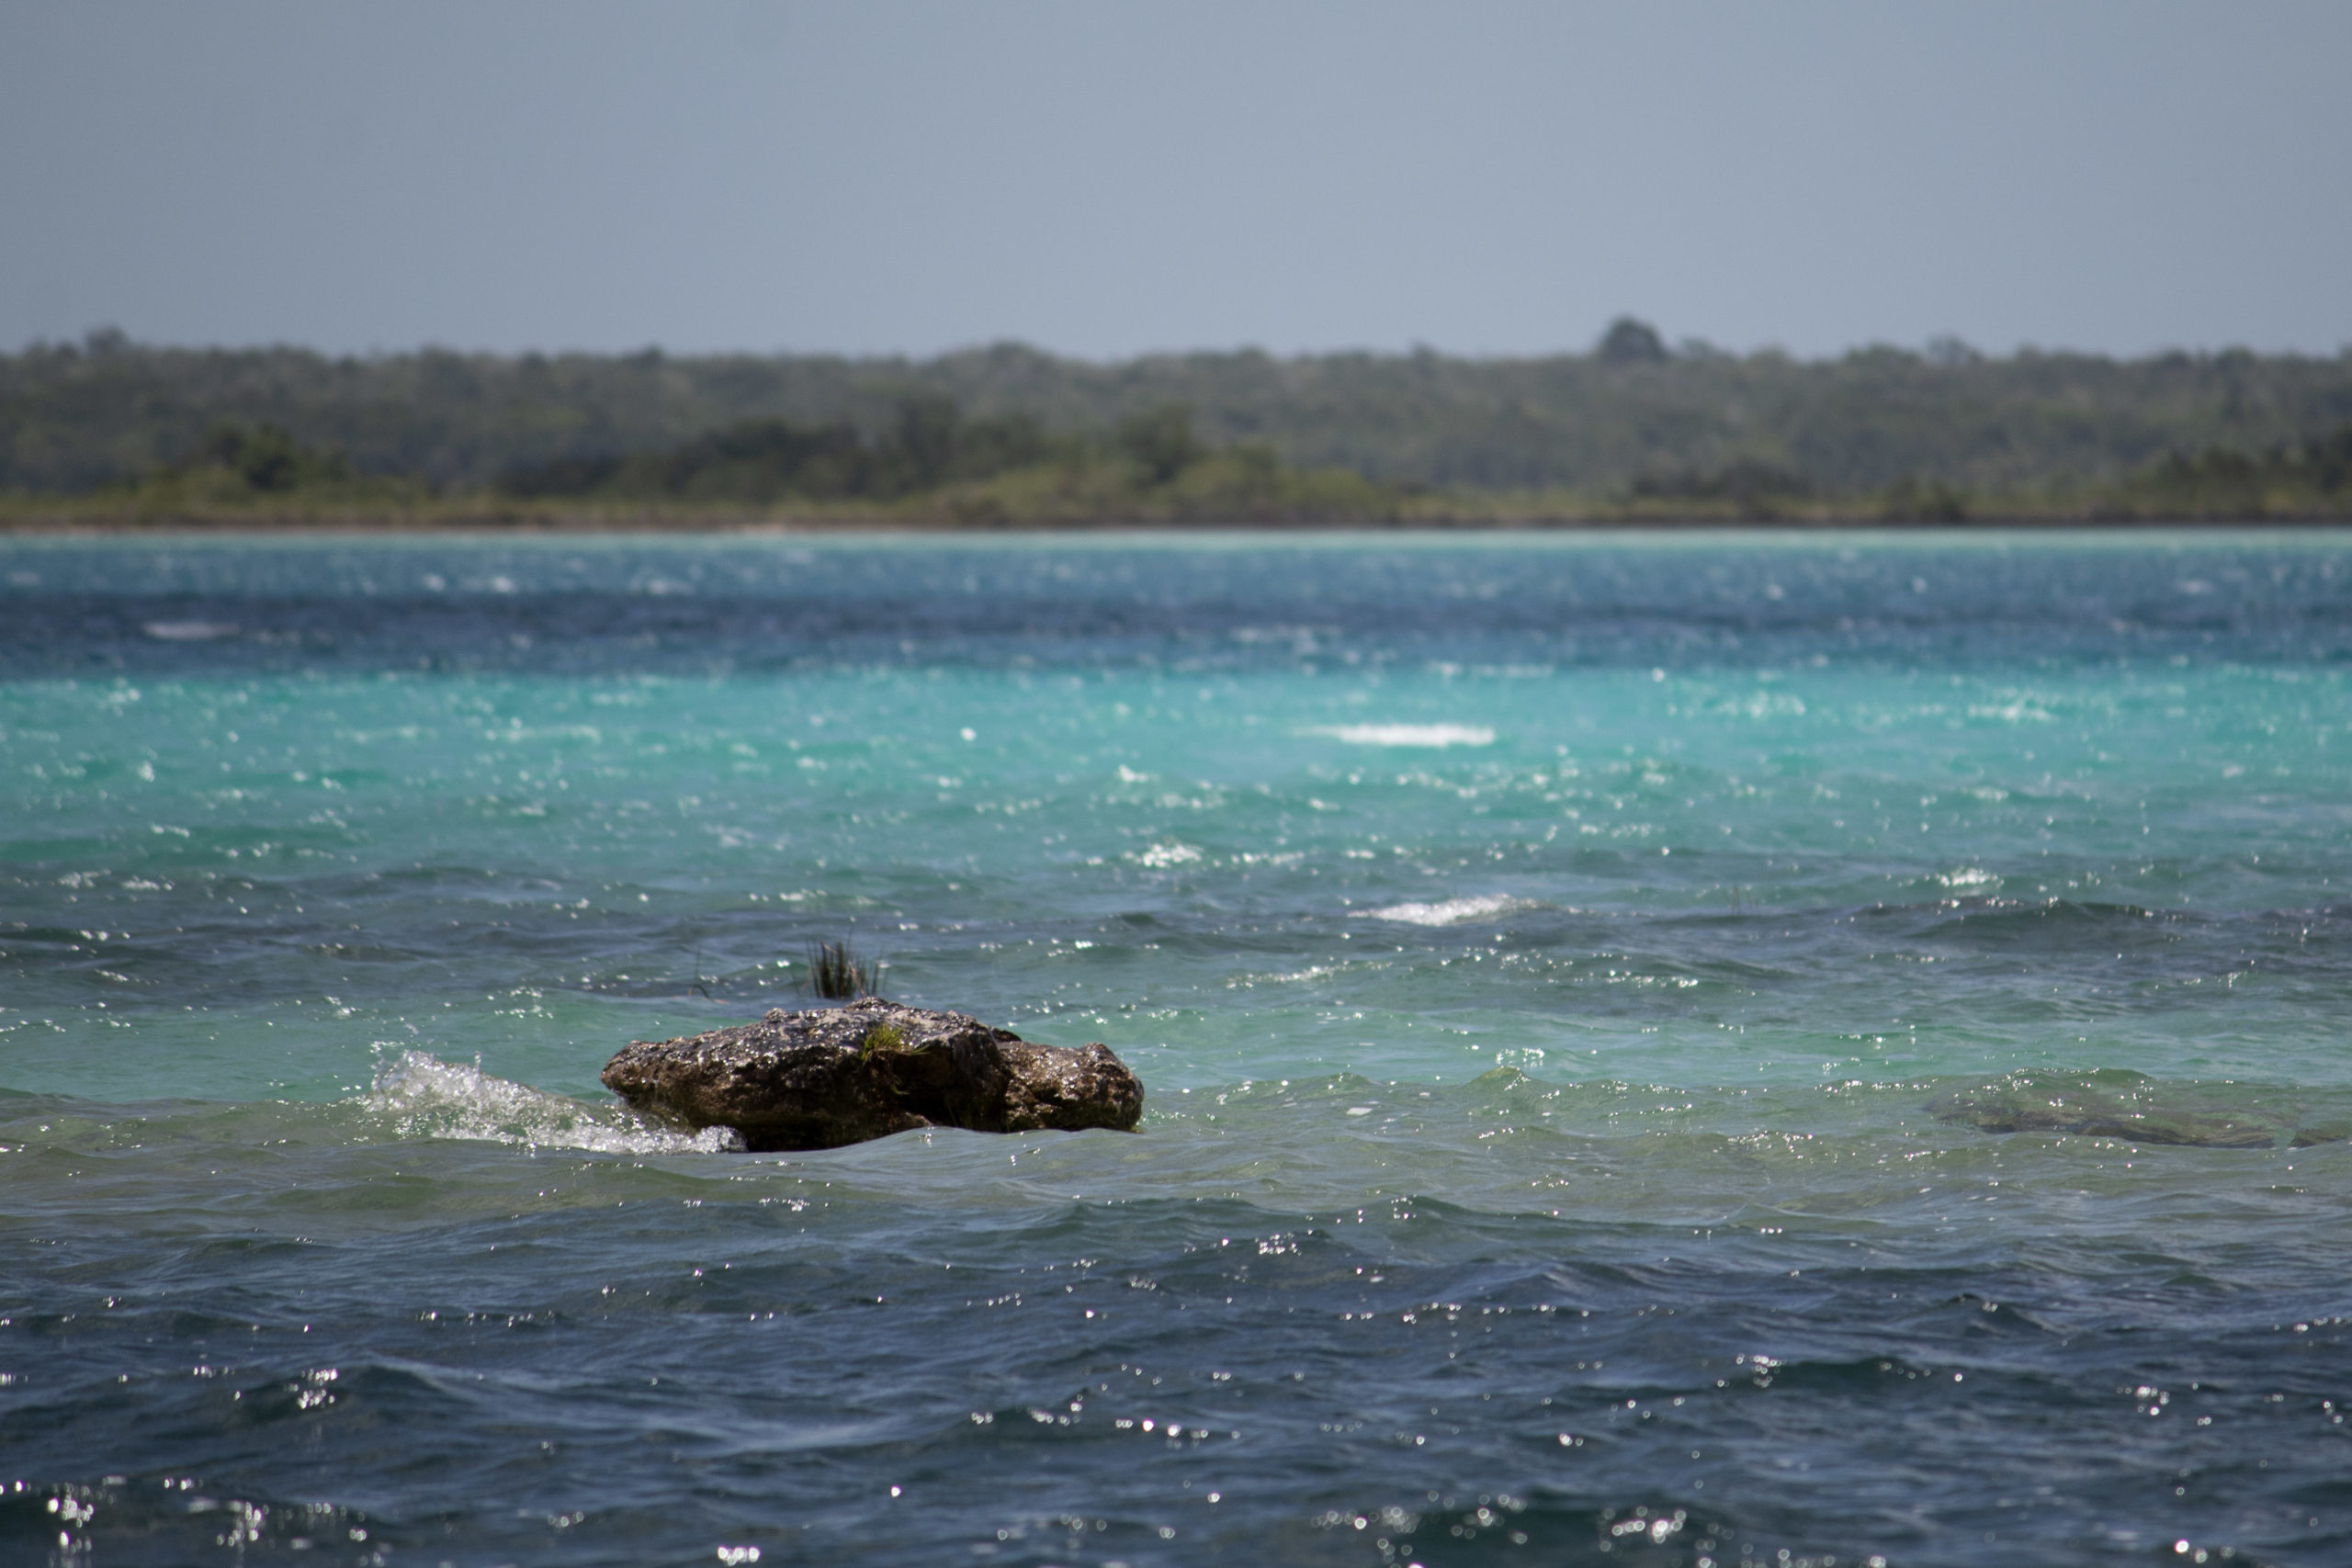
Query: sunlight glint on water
<point x="1657" y="1051"/>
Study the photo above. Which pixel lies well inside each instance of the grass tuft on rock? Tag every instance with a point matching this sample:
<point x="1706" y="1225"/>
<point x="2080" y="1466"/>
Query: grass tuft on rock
<point x="837" y="974"/>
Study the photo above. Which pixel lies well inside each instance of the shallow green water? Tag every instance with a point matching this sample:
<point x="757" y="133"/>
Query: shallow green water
<point x="1583" y="989"/>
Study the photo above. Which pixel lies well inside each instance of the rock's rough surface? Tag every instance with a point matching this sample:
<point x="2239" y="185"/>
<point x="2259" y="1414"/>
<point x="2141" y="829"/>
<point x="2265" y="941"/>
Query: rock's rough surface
<point x="833" y="1076"/>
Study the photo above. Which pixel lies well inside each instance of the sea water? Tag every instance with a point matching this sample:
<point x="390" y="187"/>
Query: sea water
<point x="1695" y="1049"/>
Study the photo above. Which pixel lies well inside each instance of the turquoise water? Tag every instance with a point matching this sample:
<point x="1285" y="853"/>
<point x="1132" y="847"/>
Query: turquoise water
<point x="1579" y="983"/>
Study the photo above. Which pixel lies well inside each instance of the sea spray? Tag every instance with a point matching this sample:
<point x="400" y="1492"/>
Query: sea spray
<point x="416" y="1095"/>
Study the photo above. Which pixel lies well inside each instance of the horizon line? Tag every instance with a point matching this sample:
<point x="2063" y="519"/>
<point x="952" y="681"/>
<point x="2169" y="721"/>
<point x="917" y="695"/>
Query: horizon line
<point x="1944" y="349"/>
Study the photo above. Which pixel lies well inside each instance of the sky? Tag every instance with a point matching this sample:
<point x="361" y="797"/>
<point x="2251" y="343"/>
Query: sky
<point x="1105" y="179"/>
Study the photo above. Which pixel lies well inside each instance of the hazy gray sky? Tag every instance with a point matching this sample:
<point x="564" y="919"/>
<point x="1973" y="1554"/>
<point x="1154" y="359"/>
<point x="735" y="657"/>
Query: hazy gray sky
<point x="1105" y="178"/>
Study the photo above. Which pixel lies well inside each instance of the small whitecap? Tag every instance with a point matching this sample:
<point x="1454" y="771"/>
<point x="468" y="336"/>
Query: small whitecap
<point x="1297" y="976"/>
<point x="188" y="631"/>
<point x="1451" y="911"/>
<point x="1969" y="877"/>
<point x="1438" y="735"/>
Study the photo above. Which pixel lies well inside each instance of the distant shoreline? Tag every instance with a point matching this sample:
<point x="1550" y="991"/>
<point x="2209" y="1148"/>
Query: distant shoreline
<point x="113" y="438"/>
<point x="598" y="521"/>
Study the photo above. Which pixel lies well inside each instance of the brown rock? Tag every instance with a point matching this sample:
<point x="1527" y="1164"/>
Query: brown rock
<point x="827" y="1077"/>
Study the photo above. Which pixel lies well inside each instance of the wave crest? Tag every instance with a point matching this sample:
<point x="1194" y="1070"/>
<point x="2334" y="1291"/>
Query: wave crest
<point x="423" y="1096"/>
<point x="1451" y="911"/>
<point x="1440" y="735"/>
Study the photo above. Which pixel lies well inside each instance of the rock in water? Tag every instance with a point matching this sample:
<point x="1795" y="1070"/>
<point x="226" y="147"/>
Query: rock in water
<point x="832" y="1076"/>
<point x="2117" y="1104"/>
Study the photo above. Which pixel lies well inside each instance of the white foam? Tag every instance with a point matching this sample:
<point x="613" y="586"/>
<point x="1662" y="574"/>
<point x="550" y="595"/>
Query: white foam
<point x="425" y="1097"/>
<point x="1969" y="877"/>
<point x="1407" y="734"/>
<point x="188" y="631"/>
<point x="1451" y="911"/>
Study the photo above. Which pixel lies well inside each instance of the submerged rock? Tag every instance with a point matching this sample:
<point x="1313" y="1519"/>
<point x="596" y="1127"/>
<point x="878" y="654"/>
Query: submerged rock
<point x="827" y="1077"/>
<point x="2120" y="1104"/>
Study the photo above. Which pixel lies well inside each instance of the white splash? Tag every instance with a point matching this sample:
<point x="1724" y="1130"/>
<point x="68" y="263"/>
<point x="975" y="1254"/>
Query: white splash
<point x="1297" y="977"/>
<point x="425" y="1097"/>
<point x="1969" y="877"/>
<point x="188" y="631"/>
<point x="1451" y="911"/>
<point x="1407" y="734"/>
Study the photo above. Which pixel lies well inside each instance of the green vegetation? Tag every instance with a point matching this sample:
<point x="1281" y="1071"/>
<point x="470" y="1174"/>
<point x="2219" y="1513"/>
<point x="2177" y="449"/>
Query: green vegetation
<point x="1635" y="430"/>
<point x="238" y="467"/>
<point x="837" y="974"/>
<point x="881" y="1040"/>
<point x="930" y="461"/>
<point x="2308" y="477"/>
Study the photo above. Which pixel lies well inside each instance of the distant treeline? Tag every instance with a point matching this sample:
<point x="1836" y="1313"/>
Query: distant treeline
<point x="1001" y="467"/>
<point x="928" y="444"/>
<point x="1632" y="428"/>
<point x="931" y="464"/>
